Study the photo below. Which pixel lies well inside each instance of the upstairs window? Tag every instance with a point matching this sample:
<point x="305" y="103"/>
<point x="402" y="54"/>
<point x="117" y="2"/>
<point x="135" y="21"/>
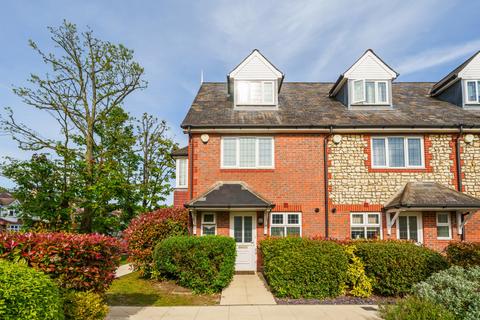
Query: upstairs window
<point x="255" y="93"/>
<point x="473" y="91"/>
<point x="370" y="92"/>
<point x="397" y="152"/>
<point x="247" y="152"/>
<point x="182" y="173"/>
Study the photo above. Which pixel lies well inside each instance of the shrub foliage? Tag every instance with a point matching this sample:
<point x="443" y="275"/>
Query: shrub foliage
<point x="76" y="261"/>
<point x="413" y="308"/>
<point x="299" y="267"/>
<point x="464" y="254"/>
<point x="148" y="229"/>
<point x="396" y="265"/>
<point x="204" y="264"/>
<point x="457" y="289"/>
<point x="27" y="294"/>
<point x="84" y="305"/>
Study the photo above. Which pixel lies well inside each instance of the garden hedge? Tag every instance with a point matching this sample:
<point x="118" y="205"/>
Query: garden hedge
<point x="395" y="266"/>
<point x="84" y="305"/>
<point x="28" y="294"/>
<point x="413" y="308"/>
<point x="464" y="254"/>
<point x="299" y="267"/>
<point x="80" y="262"/>
<point x="204" y="264"/>
<point x="145" y="231"/>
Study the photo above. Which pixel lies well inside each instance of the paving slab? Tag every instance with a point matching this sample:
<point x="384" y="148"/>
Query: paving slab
<point x="252" y="312"/>
<point x="247" y="289"/>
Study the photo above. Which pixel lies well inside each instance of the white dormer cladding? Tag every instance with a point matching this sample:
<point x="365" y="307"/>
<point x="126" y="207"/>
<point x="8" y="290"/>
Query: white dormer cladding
<point x="255" y="82"/>
<point x="367" y="83"/>
<point x="470" y="77"/>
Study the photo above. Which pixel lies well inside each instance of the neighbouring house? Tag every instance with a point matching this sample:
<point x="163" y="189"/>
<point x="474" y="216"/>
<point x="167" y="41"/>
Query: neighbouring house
<point x="9" y="216"/>
<point x="363" y="157"/>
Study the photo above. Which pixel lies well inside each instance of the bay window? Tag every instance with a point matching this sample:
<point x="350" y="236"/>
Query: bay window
<point x="473" y="91"/>
<point x="255" y="93"/>
<point x="181" y="173"/>
<point x="397" y="152"/>
<point x="284" y="224"/>
<point x="370" y="92"/>
<point x="247" y="152"/>
<point x="209" y="225"/>
<point x="444" y="227"/>
<point x="365" y="225"/>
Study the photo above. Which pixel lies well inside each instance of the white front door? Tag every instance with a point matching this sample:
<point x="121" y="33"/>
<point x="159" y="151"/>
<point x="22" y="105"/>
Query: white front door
<point x="242" y="229"/>
<point x="409" y="226"/>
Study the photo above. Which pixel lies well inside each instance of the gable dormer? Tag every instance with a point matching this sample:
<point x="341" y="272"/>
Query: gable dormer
<point x="461" y="86"/>
<point x="255" y="83"/>
<point x="366" y="84"/>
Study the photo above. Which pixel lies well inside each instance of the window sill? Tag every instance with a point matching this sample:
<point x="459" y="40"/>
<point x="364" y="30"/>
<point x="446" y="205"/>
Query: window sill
<point x="444" y="239"/>
<point x="247" y="169"/>
<point x="408" y="170"/>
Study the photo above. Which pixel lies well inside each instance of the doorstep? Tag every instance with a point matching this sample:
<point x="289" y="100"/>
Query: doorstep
<point x="247" y="289"/>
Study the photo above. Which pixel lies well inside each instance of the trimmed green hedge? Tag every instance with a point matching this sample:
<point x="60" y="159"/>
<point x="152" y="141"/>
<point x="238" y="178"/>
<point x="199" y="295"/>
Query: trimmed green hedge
<point x="395" y="266"/>
<point x="27" y="294"/>
<point x="204" y="264"/>
<point x="299" y="267"/>
<point x="464" y="254"/>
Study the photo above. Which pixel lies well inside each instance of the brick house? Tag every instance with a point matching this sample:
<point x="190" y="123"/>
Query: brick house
<point x="363" y="157"/>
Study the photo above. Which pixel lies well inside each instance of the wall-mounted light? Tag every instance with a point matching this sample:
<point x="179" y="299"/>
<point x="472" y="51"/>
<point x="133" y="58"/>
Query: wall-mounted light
<point x="334" y="210"/>
<point x="260" y="221"/>
<point x="317" y="210"/>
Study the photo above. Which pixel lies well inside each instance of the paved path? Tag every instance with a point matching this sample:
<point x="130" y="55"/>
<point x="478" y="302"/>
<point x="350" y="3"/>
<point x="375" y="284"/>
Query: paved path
<point x="277" y="312"/>
<point x="247" y="289"/>
<point x="123" y="270"/>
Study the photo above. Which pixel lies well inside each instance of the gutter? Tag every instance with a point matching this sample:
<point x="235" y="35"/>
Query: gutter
<point x="325" y="176"/>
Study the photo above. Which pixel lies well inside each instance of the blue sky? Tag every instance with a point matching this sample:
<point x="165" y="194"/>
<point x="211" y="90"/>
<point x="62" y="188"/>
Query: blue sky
<point x="175" y="40"/>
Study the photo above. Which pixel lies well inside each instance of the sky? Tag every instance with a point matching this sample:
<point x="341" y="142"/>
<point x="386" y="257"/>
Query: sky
<point x="175" y="40"/>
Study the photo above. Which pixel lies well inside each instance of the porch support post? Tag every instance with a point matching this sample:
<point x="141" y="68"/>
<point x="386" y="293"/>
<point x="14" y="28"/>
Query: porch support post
<point x="265" y="222"/>
<point x="461" y="225"/>
<point x="194" y="222"/>
<point x="391" y="221"/>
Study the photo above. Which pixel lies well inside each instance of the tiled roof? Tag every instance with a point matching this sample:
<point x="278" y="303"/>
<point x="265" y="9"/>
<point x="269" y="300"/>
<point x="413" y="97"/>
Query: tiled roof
<point x="230" y="195"/>
<point x="182" y="152"/>
<point x="6" y="198"/>
<point x="431" y="195"/>
<point x="303" y="104"/>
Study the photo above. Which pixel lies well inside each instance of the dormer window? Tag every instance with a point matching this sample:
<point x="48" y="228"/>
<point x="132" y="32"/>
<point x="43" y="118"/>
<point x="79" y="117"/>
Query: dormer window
<point x="370" y="92"/>
<point x="473" y="91"/>
<point x="255" y="93"/>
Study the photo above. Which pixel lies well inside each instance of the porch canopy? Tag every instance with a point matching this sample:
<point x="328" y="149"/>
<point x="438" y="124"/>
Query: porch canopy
<point x="431" y="196"/>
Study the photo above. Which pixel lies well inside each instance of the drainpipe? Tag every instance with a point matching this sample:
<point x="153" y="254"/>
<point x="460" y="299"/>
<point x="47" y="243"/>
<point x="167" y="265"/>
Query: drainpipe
<point x="459" y="170"/>
<point x="325" y="176"/>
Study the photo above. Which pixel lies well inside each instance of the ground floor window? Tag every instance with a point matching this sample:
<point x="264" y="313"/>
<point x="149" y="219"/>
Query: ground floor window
<point x="444" y="227"/>
<point x="284" y="224"/>
<point x="409" y="227"/>
<point x="13" y="227"/>
<point x="209" y="224"/>
<point x="365" y="225"/>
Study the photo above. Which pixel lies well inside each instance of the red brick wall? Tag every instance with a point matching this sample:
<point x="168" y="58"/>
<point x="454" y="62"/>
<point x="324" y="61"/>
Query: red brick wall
<point x="297" y="179"/>
<point x="180" y="197"/>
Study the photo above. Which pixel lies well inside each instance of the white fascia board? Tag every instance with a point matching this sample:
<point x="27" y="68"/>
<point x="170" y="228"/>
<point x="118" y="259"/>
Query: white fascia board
<point x="246" y="61"/>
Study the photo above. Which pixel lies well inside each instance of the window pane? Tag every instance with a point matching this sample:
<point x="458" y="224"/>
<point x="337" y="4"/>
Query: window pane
<point x="237" y="229"/>
<point x="358" y="233"/>
<point x="382" y="92"/>
<point x="370" y="92"/>
<point x="373" y="219"/>
<point x="358" y="91"/>
<point x="443" y="231"/>
<point x="414" y="152"/>
<point x="277" y="232"/>
<point x="256" y="94"/>
<point x="471" y="91"/>
<point x="247" y="152"/>
<point x="403" y="228"/>
<point x="265" y="152"/>
<point x="277" y="218"/>
<point x="357" y="218"/>
<point x="396" y="152"/>
<point x="247" y="225"/>
<point x="229" y="152"/>
<point x="478" y="92"/>
<point x="378" y="151"/>
<point x="268" y="92"/>
<point x="242" y="92"/>
<point x="293" y="231"/>
<point x="373" y="233"/>
<point x="208" y="218"/>
<point x="412" y="225"/>
<point x="293" y="219"/>
<point x="182" y="168"/>
<point x="209" y="230"/>
<point x="442" y="217"/>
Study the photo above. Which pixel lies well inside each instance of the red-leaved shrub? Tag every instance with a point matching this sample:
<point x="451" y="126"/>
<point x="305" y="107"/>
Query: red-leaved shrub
<point x="80" y="262"/>
<point x="145" y="231"/>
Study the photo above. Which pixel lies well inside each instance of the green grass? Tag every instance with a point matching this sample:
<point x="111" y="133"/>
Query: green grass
<point x="132" y="290"/>
<point x="124" y="260"/>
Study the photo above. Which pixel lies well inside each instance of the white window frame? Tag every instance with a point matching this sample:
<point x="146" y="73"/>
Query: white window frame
<point x="237" y="151"/>
<point x="405" y="152"/>
<point x="203" y="223"/>
<point x="363" y="100"/>
<point x="177" y="175"/>
<point x="477" y="87"/>
<point x="419" y="225"/>
<point x="285" y="223"/>
<point x="365" y="223"/>
<point x="250" y="103"/>
<point x="14" y="227"/>
<point x="443" y="224"/>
